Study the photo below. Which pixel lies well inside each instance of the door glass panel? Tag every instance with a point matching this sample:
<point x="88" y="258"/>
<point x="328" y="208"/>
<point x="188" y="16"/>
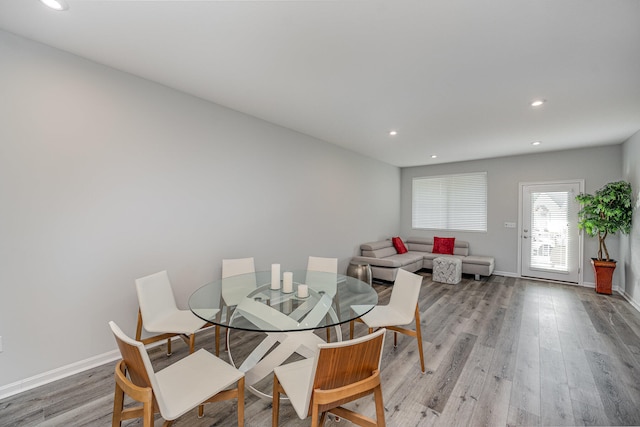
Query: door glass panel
<point x="549" y="231"/>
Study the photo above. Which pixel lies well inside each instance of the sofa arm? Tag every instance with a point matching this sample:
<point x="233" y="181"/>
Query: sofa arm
<point x="378" y="262"/>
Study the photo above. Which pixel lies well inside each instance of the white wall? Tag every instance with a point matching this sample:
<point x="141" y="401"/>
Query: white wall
<point x="106" y="177"/>
<point x="596" y="166"/>
<point x="630" y="247"/>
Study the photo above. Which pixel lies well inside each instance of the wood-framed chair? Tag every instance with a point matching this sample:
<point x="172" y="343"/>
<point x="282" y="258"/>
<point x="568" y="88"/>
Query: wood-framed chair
<point x="197" y="379"/>
<point x="340" y="372"/>
<point x="401" y="310"/>
<point x="327" y="283"/>
<point x="159" y="314"/>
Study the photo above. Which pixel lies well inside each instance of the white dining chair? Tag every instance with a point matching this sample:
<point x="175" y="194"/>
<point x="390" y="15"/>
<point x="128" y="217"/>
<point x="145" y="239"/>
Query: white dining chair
<point x="234" y="293"/>
<point x="194" y="380"/>
<point x="322" y="275"/>
<point x="159" y="314"/>
<point x="339" y="373"/>
<point x="402" y="310"/>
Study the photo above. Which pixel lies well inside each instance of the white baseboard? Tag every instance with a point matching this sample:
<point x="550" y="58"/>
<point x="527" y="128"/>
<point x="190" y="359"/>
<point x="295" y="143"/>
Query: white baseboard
<point x="505" y="273"/>
<point x="633" y="303"/>
<point x="58" y="373"/>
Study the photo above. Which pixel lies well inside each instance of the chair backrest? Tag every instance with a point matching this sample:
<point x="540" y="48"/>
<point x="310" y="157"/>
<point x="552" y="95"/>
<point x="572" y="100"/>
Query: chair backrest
<point x="405" y="292"/>
<point x="155" y="296"/>
<point x="345" y="362"/>
<point x="138" y="364"/>
<point x="234" y="267"/>
<point x="322" y="274"/>
<point x="329" y="265"/>
<point x="234" y="290"/>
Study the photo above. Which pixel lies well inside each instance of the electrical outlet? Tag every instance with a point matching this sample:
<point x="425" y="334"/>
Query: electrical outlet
<point x="509" y="225"/>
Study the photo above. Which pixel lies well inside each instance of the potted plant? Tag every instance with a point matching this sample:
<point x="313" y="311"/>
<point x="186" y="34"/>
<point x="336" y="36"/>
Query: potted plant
<point x="607" y="211"/>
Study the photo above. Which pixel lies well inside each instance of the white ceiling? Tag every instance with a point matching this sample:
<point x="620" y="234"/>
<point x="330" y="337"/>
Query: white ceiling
<point x="453" y="77"/>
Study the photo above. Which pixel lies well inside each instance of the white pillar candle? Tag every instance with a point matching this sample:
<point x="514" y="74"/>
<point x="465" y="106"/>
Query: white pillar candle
<point x="287" y="282"/>
<point x="303" y="291"/>
<point x="275" y="276"/>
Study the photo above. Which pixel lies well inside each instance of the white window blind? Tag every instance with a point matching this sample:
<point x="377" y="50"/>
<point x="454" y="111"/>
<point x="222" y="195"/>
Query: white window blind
<point x="450" y="202"/>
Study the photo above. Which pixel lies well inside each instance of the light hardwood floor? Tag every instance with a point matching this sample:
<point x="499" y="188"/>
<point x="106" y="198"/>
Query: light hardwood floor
<point x="500" y="351"/>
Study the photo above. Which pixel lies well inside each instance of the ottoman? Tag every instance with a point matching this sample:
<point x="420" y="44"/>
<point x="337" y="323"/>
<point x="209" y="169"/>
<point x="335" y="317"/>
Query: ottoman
<point x="447" y="270"/>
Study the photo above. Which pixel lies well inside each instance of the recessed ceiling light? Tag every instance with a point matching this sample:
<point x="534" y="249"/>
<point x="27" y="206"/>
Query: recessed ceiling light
<point x="536" y="143"/>
<point x="56" y="4"/>
<point x="433" y="156"/>
<point x="393" y="133"/>
<point x="538" y="102"/>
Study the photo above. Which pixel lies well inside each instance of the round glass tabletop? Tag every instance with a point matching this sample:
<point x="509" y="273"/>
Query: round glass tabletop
<point x="313" y="300"/>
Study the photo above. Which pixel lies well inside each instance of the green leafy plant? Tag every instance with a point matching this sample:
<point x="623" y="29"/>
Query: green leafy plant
<point x="607" y="211"/>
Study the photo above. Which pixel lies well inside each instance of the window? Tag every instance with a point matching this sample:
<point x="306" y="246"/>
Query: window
<point x="450" y="202"/>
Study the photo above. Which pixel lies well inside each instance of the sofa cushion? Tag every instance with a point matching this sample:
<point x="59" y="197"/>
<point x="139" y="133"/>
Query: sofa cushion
<point x="480" y="260"/>
<point x="443" y="245"/>
<point x="399" y="245"/>
<point x="406" y="258"/>
<point x="380" y="253"/>
<point x="372" y="246"/>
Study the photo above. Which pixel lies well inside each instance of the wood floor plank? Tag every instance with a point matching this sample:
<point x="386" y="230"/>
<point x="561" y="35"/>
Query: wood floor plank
<point x="548" y="327"/>
<point x="525" y="392"/>
<point x="492" y="408"/>
<point x="617" y="403"/>
<point x="587" y="415"/>
<point x="555" y="402"/>
<point x="445" y="377"/>
<point x="519" y="417"/>
<point x="466" y="392"/>
<point x="582" y="386"/>
<point x="436" y="352"/>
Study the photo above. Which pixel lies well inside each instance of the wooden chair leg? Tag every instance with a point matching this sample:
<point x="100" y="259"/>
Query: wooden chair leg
<point x="314" y="414"/>
<point x="192" y="342"/>
<point x="168" y="347"/>
<point x="118" y="405"/>
<point x="351" y="329"/>
<point x="379" y="406"/>
<point x="395" y="339"/>
<point x="147" y="410"/>
<point x="241" y="402"/>
<point x="217" y="340"/>
<point x="139" y="326"/>
<point x="419" y="338"/>
<point x="328" y="334"/>
<point x="275" y="406"/>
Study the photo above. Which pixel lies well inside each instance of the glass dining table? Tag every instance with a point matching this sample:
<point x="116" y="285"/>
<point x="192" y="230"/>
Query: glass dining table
<point x="285" y="321"/>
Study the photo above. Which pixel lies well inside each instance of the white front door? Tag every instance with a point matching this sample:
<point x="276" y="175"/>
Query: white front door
<point x="549" y="234"/>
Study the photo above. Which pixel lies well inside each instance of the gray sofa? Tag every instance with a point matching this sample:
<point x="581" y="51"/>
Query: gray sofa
<point x="385" y="261"/>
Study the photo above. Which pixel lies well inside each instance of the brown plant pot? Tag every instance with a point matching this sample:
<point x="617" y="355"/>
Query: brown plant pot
<point x="603" y="271"/>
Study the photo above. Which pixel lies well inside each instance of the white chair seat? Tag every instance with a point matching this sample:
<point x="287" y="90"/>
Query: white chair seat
<point x="176" y="322"/>
<point x="384" y="315"/>
<point x="182" y="385"/>
<point x="296" y="378"/>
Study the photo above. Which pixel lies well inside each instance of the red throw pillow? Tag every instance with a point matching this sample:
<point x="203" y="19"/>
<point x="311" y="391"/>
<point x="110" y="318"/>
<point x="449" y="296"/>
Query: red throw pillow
<point x="443" y="245"/>
<point x="399" y="245"/>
